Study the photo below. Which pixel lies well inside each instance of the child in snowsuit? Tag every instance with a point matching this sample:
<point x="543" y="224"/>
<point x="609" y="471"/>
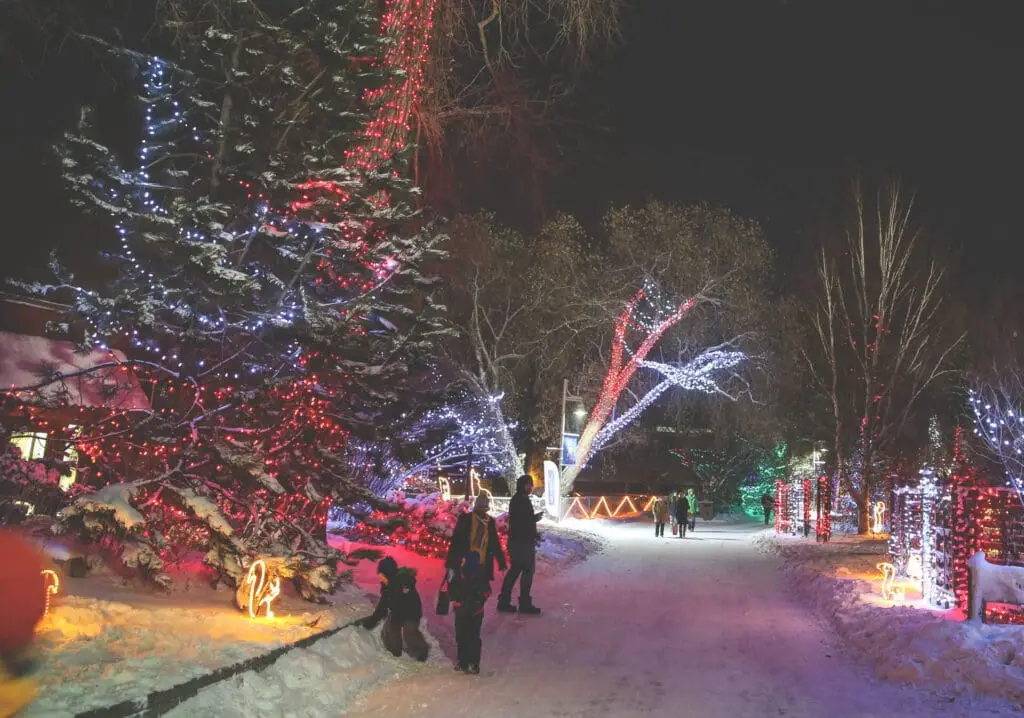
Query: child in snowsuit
<point x="401" y="610"/>
<point x="682" y="514"/>
<point x="660" y="516"/>
<point x="469" y="591"/>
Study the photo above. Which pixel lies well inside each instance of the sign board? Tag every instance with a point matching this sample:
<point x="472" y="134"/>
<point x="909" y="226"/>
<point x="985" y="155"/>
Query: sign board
<point x="552" y="489"/>
<point x="569" y="442"/>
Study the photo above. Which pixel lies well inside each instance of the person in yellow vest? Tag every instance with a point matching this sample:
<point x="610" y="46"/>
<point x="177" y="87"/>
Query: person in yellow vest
<point x="22" y="595"/>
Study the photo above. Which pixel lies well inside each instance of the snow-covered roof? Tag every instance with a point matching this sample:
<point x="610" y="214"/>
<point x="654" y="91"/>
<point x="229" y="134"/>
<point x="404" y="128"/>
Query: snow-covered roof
<point x="23" y="358"/>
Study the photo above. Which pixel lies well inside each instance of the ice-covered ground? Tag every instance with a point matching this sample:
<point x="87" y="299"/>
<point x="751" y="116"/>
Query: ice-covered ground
<point x="703" y="626"/>
<point x="903" y="642"/>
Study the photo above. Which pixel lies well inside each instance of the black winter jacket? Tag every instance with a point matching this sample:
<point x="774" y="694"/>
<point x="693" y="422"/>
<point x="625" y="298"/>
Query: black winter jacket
<point x="459" y="546"/>
<point x="682" y="509"/>
<point x="399" y="600"/>
<point x="522" y="521"/>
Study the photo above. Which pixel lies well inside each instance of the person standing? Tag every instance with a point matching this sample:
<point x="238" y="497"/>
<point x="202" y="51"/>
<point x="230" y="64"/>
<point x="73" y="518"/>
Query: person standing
<point x="768" y="504"/>
<point x="682" y="515"/>
<point x="522" y="550"/>
<point x="472" y="554"/>
<point x="660" y="510"/>
<point x="691" y="504"/>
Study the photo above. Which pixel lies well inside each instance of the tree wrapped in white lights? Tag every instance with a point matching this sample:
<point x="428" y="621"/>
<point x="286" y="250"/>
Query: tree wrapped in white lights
<point x="999" y="420"/>
<point x="642" y="323"/>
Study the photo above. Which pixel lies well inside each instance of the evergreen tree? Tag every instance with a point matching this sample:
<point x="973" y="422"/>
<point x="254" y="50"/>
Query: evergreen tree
<point x="268" y="289"/>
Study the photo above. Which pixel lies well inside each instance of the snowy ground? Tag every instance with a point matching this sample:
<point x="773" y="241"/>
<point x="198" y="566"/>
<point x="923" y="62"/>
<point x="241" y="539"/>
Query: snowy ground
<point x="106" y="642"/>
<point x="904" y="641"/>
<point x="702" y="626"/>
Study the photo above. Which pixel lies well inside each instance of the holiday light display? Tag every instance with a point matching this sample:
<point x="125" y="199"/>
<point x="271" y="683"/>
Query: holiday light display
<point x="878" y="517"/>
<point x="264" y="292"/>
<point x="52" y="587"/>
<point x="890" y="591"/>
<point x="648" y="316"/>
<point x="1000" y="422"/>
<point x="823" y="522"/>
<point x="259" y="589"/>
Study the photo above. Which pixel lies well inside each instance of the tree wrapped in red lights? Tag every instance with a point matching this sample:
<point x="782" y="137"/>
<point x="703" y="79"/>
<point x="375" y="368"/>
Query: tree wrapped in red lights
<point x="642" y="323"/>
<point x="265" y="288"/>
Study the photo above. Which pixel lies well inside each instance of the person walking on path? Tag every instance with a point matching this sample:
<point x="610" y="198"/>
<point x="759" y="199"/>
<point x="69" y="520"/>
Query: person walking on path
<point x="691" y="504"/>
<point x="401" y="610"/>
<point x="660" y="510"/>
<point x="682" y="515"/>
<point x="469" y="590"/>
<point x="522" y="550"/>
<point x="472" y="554"/>
<point x="768" y="504"/>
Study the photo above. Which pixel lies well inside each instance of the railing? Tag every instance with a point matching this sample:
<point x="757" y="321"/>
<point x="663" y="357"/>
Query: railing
<point x="616" y="506"/>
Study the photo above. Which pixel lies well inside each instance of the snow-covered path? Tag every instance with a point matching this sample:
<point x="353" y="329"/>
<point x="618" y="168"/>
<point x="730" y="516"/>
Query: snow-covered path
<point x="702" y="626"/>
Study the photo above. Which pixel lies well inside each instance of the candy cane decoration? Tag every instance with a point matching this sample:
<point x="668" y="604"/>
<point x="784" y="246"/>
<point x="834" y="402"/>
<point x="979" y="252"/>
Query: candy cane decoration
<point x="257" y="583"/>
<point x="52" y="585"/>
<point x="878" y="517"/>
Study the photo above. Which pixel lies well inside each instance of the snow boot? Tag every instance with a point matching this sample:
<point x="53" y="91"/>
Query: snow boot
<point x="506" y="607"/>
<point x="528" y="609"/>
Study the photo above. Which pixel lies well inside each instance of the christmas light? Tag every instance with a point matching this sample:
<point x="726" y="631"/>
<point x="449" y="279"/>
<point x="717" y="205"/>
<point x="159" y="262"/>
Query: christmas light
<point x="52" y="586"/>
<point x="263" y="587"/>
<point x="878" y="517"/>
<point x="890" y="591"/>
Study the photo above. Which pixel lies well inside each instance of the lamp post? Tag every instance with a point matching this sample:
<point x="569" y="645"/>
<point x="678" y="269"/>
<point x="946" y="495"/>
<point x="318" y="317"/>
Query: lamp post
<point x="561" y="440"/>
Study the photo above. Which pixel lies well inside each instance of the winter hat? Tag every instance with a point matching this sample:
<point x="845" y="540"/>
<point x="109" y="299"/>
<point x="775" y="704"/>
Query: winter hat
<point x="387" y="567"/>
<point x="482" y="503"/>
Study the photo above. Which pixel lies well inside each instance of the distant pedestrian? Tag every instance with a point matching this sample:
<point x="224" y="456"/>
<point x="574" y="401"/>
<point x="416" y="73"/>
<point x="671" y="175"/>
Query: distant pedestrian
<point x="400" y="608"/>
<point x="660" y="511"/>
<point x="522" y="550"/>
<point x="768" y="504"/>
<point x="691" y="504"/>
<point x="682" y="515"/>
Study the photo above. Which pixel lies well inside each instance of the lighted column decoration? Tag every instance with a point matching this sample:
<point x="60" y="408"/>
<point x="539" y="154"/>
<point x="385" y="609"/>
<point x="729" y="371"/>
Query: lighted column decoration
<point x="823" y="527"/>
<point x="929" y="493"/>
<point x="808" y="498"/>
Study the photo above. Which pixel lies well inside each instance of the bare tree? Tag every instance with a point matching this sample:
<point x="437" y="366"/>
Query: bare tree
<point x="881" y="344"/>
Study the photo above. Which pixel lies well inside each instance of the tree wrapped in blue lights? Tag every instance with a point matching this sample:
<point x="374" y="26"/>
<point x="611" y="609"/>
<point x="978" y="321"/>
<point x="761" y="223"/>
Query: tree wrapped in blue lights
<point x="267" y="291"/>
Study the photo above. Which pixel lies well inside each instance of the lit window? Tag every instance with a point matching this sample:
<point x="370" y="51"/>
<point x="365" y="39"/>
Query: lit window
<point x="31" y="445"/>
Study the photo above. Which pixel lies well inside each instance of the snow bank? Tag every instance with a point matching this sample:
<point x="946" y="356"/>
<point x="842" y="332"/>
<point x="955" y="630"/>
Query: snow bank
<point x="907" y="643"/>
<point x="96" y="652"/>
<point x="321" y="680"/>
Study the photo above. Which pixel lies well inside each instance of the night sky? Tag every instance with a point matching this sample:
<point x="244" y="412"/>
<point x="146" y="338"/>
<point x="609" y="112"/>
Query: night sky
<point x="772" y="107"/>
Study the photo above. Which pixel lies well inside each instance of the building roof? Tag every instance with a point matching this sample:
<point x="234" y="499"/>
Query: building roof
<point x="25" y="360"/>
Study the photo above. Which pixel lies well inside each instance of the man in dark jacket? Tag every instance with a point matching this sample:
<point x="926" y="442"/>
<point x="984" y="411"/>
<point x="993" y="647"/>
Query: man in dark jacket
<point x="682" y="515"/>
<point x="522" y="549"/>
<point x="401" y="610"/>
<point x="768" y="504"/>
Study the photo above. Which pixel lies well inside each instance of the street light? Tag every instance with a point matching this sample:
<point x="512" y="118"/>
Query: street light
<point x="580" y="412"/>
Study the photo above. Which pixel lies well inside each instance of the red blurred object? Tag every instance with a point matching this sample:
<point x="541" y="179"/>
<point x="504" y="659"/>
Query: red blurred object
<point x="22" y="592"/>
